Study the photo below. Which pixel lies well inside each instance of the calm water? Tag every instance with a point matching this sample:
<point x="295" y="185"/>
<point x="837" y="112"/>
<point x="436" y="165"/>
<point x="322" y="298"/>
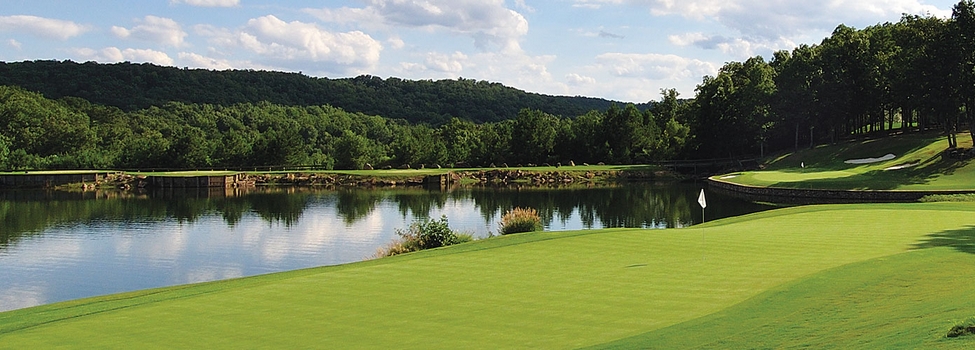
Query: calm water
<point x="57" y="246"/>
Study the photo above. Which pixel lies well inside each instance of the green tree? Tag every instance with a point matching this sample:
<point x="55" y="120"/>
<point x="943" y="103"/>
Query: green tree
<point x="460" y="139"/>
<point x="671" y="118"/>
<point x="533" y="136"/>
<point x="733" y="111"/>
<point x="352" y="151"/>
<point x="963" y="31"/>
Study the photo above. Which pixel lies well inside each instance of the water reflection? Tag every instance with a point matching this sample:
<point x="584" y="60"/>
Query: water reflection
<point x="58" y="245"/>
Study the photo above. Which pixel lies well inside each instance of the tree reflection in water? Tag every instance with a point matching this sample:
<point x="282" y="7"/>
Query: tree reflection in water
<point x="26" y="213"/>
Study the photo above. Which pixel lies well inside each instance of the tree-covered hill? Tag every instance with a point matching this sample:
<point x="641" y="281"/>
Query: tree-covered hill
<point x="131" y="86"/>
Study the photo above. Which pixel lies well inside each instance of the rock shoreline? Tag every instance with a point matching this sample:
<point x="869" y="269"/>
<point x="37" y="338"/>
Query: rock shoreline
<point x="499" y="177"/>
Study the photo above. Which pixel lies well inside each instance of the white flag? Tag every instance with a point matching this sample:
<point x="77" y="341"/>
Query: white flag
<point x="701" y="200"/>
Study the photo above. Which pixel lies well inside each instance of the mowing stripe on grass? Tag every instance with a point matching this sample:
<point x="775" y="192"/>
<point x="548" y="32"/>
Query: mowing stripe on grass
<point x="905" y="301"/>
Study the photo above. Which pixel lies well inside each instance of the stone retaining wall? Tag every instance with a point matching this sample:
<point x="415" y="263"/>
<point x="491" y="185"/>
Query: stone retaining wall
<point x="808" y="195"/>
<point x="192" y="181"/>
<point x="48" y="180"/>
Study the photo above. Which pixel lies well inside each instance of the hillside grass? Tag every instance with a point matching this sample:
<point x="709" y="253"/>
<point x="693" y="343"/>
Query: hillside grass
<point x="760" y="280"/>
<point x="825" y="167"/>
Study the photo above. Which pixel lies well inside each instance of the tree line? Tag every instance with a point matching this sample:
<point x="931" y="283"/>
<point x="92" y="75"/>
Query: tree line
<point x="72" y="133"/>
<point x="916" y="74"/>
<point x="130" y="87"/>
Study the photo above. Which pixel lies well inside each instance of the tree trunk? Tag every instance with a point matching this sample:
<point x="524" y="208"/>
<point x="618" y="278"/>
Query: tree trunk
<point x="797" y="136"/>
<point x="970" y="112"/>
<point x="811" y="137"/>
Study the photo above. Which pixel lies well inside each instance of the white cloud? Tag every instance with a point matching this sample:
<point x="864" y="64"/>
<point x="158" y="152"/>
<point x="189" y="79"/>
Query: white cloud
<point x="653" y="66"/>
<point x="688" y="39"/>
<point x="488" y="22"/>
<point x="297" y="41"/>
<point x="576" y="79"/>
<point x="756" y="27"/>
<point x="738" y="48"/>
<point x="207" y="3"/>
<point x="222" y="37"/>
<point x="199" y="61"/>
<point x="154" y="29"/>
<point x="42" y="27"/>
<point x="14" y="44"/>
<point x="453" y="63"/>
<point x="774" y="19"/>
<point x="594" y="4"/>
<point x="295" y="45"/>
<point x="523" y="71"/>
<point x="114" y="54"/>
<point x="522" y="5"/>
<point x="195" y="60"/>
<point x="396" y="42"/>
<point x="346" y="15"/>
<point x="444" y="65"/>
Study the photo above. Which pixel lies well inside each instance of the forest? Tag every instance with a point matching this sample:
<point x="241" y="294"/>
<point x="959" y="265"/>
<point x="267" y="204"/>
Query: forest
<point x="915" y="74"/>
<point x="131" y="86"/>
<point x="73" y="133"/>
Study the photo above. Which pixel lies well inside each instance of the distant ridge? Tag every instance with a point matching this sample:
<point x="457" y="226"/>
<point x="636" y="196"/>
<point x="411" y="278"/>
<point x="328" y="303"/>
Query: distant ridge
<point x="132" y="86"/>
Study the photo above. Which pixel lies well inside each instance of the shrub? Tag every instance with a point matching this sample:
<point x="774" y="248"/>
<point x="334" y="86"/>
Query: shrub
<point x="424" y="234"/>
<point x="966" y="327"/>
<point x="966" y="197"/>
<point x="520" y="220"/>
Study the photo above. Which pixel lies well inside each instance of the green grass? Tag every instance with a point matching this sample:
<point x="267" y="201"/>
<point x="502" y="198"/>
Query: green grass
<point x="904" y="301"/>
<point x="761" y="280"/>
<point x="186" y="173"/>
<point x="825" y="167"/>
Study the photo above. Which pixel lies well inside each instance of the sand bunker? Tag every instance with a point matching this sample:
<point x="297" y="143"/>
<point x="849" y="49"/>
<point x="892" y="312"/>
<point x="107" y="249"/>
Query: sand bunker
<point x="903" y="166"/>
<point x="887" y="157"/>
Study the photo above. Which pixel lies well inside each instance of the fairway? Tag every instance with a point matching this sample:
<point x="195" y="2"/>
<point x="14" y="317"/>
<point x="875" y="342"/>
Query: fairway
<point x="730" y="283"/>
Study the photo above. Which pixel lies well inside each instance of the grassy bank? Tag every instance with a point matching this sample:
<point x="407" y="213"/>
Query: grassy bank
<point x="917" y="165"/>
<point x="845" y="276"/>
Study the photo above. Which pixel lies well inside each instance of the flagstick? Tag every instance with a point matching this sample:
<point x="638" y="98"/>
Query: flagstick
<point x="703" y="202"/>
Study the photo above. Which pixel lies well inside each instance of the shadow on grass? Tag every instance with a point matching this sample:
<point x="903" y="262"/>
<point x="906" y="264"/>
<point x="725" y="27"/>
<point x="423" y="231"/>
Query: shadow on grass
<point x="962" y="240"/>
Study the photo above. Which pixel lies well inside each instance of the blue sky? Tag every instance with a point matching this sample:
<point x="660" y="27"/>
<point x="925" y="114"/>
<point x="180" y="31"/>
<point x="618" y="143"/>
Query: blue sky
<point x="626" y="50"/>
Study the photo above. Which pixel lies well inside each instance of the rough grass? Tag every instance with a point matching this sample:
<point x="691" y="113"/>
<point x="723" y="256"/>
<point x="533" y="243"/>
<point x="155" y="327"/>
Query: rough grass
<point x="825" y="167"/>
<point x="893" y="265"/>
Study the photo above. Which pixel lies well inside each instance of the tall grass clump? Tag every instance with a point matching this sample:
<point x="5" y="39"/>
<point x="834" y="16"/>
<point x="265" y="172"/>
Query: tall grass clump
<point x="966" y="327"/>
<point x="519" y="220"/>
<point x="424" y="234"/>
<point x="966" y="197"/>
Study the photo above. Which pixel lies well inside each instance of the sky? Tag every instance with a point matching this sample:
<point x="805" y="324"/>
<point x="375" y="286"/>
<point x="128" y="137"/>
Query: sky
<point x="623" y="50"/>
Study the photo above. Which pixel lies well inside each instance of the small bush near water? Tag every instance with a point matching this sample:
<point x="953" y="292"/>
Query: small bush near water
<point x="424" y="234"/>
<point x="520" y="220"/>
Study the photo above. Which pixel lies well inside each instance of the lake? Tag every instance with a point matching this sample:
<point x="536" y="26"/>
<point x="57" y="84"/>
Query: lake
<point x="57" y="245"/>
